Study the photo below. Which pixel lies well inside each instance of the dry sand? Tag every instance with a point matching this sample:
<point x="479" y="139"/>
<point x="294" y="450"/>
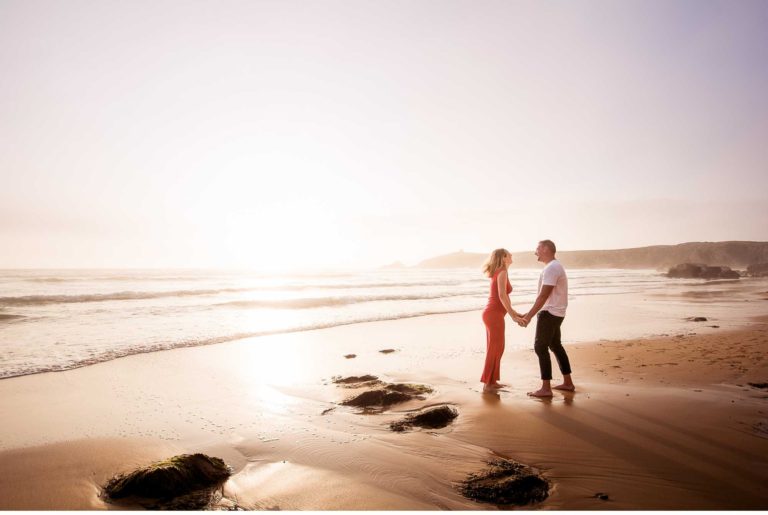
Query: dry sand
<point x="666" y="422"/>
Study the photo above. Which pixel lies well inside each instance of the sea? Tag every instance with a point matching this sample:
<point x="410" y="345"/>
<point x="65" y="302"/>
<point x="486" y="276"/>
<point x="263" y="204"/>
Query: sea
<point x="53" y="320"/>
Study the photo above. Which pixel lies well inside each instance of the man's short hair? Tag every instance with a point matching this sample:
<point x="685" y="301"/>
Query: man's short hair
<point x="550" y="245"/>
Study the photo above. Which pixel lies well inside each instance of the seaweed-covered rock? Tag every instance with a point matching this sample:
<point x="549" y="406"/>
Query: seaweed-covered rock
<point x="187" y="481"/>
<point x="377" y="398"/>
<point x="386" y="394"/>
<point x="506" y="482"/>
<point x="429" y="418"/>
<point x="409" y="388"/>
<point x="354" y="379"/>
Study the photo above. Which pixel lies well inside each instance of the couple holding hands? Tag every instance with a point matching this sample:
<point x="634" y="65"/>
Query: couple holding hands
<point x="550" y="305"/>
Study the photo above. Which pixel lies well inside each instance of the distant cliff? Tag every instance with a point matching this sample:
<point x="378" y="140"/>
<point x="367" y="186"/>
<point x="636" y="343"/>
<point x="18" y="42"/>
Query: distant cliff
<point x="735" y="254"/>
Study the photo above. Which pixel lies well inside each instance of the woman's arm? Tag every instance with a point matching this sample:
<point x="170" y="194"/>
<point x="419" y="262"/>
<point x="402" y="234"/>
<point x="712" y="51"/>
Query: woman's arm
<point x="546" y="291"/>
<point x="504" y="296"/>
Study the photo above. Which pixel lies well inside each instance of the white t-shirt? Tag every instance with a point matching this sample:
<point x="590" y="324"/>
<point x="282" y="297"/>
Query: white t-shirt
<point x="554" y="275"/>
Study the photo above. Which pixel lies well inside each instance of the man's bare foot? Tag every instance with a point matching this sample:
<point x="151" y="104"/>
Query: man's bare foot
<point x="541" y="393"/>
<point x="498" y="385"/>
<point x="565" y="387"/>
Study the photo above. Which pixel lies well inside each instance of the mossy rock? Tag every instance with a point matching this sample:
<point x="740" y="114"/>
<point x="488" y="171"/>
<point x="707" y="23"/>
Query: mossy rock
<point x="383" y="396"/>
<point x="187" y="481"/>
<point x="430" y="418"/>
<point x="353" y="379"/>
<point x="506" y="482"/>
<point x="379" y="397"/>
<point x="356" y="381"/>
<point x="410" y="388"/>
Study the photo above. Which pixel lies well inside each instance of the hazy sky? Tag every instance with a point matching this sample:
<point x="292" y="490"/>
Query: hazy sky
<point x="354" y="133"/>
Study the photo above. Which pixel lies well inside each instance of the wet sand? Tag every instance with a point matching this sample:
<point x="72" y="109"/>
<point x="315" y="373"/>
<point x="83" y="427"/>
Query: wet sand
<point x="662" y="422"/>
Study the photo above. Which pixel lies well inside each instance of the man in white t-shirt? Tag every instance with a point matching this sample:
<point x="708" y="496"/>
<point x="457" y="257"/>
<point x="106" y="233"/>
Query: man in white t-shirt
<point x="550" y="306"/>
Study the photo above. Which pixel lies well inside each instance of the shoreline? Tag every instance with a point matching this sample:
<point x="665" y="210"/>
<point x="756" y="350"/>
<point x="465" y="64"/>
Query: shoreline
<point x="592" y="317"/>
<point x="663" y="416"/>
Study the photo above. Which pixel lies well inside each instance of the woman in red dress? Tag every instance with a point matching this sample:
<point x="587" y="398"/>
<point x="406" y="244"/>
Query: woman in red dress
<point x="498" y="306"/>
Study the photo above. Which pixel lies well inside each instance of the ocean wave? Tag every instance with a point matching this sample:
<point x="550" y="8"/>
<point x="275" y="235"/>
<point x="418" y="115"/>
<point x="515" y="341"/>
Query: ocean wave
<point x="34" y="300"/>
<point x="110" y="355"/>
<point x="320" y="302"/>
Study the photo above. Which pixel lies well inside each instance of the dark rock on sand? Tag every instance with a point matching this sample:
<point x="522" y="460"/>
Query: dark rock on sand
<point x="506" y="482"/>
<point x="387" y="351"/>
<point x="601" y="496"/>
<point x="409" y="388"/>
<point x="354" y="379"/>
<point x="758" y="385"/>
<point x="758" y="270"/>
<point x="697" y="319"/>
<point x="699" y="271"/>
<point x="357" y="381"/>
<point x="350" y="356"/>
<point x="429" y="418"/>
<point x="187" y="481"/>
<point x="374" y="398"/>
<point x="387" y="394"/>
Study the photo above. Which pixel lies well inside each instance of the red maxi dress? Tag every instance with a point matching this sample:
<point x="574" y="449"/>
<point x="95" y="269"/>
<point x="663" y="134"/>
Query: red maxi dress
<point x="493" y="318"/>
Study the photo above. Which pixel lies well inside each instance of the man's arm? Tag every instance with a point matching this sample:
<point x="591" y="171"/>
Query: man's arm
<point x="546" y="291"/>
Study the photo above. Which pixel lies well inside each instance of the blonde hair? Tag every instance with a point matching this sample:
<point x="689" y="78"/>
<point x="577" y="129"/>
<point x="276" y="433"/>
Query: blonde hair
<point x="495" y="261"/>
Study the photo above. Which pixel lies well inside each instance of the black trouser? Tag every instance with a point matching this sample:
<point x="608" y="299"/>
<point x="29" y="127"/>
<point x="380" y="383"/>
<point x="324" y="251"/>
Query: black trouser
<point x="548" y="338"/>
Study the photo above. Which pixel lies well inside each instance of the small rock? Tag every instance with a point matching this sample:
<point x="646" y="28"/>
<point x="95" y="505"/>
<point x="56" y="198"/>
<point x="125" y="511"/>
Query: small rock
<point x="379" y="397"/>
<point x="429" y="418"/>
<point x="387" y="351"/>
<point x="354" y="379"/>
<point x="409" y="388"/>
<point x="715" y="326"/>
<point x="506" y="482"/>
<point x="601" y="496"/>
<point x="696" y="319"/>
<point x="389" y="394"/>
<point x="350" y="356"/>
<point x="758" y="385"/>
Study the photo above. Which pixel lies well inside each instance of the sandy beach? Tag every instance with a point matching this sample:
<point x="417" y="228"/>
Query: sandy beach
<point x="656" y="422"/>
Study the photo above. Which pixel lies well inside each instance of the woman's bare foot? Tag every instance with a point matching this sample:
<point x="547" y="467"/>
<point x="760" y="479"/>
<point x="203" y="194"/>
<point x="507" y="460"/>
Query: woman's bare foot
<point x="498" y="385"/>
<point x="493" y="387"/>
<point x="541" y="393"/>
